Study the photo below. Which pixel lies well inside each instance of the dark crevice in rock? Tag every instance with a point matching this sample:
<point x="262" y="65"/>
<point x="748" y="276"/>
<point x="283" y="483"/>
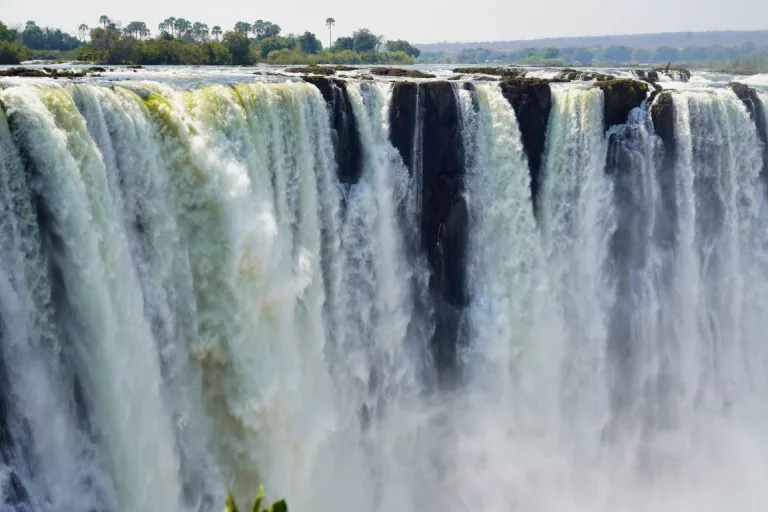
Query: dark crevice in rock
<point x="346" y="138"/>
<point x="531" y="100"/>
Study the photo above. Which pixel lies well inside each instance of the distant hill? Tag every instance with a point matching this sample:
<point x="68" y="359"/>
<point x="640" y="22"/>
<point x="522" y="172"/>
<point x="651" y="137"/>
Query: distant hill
<point x="675" y="39"/>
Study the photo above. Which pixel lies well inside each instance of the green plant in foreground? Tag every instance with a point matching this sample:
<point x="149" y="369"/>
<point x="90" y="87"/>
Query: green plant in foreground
<point x="278" y="506"/>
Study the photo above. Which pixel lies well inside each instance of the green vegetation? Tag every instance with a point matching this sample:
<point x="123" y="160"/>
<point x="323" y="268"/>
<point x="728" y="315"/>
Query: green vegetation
<point x="180" y="41"/>
<point x="278" y="506"/>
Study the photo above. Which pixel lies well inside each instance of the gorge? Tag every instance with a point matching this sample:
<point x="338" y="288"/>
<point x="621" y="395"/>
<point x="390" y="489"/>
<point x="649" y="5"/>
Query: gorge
<point x="521" y="293"/>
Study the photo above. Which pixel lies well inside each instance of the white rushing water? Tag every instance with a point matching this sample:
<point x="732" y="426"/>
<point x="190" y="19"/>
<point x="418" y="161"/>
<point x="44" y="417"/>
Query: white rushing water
<point x="192" y="302"/>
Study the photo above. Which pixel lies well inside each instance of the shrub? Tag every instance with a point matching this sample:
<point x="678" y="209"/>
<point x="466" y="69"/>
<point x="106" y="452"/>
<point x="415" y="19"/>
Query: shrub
<point x="12" y="53"/>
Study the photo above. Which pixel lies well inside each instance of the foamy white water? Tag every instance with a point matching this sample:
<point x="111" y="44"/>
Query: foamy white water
<point x="192" y="302"/>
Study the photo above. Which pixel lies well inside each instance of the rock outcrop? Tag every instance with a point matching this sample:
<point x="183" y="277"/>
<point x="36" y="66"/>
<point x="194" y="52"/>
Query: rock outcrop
<point x="504" y="72"/>
<point x="400" y="73"/>
<point x="444" y="212"/>
<point x="43" y="73"/>
<point x="649" y="75"/>
<point x="532" y="101"/>
<point x="315" y="70"/>
<point x="620" y="97"/>
<point x="663" y="118"/>
<point x="749" y="97"/>
<point x="576" y="74"/>
<point x="679" y="74"/>
<point x="346" y="138"/>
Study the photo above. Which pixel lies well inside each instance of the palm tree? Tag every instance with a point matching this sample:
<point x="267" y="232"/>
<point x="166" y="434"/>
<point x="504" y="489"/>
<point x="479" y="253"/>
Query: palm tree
<point x="104" y="20"/>
<point x="82" y="30"/>
<point x="330" y="22"/>
<point x="216" y="31"/>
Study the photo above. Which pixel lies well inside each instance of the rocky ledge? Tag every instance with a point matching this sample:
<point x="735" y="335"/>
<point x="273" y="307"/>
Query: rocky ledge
<point x="43" y="73"/>
<point x="400" y="73"/>
<point x="620" y="97"/>
<point x="531" y="100"/>
<point x="319" y="70"/>
<point x="503" y="72"/>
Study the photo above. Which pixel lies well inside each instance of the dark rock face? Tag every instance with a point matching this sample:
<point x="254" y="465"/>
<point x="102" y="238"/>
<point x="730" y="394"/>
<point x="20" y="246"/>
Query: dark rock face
<point x="444" y="216"/>
<point x="663" y="117"/>
<point x="346" y="139"/>
<point x="750" y="99"/>
<point x="620" y="97"/>
<point x="399" y="72"/>
<point x="402" y="119"/>
<point x="532" y="101"/>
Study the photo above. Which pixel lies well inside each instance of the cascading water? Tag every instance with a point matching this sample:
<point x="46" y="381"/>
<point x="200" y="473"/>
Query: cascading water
<point x="205" y="289"/>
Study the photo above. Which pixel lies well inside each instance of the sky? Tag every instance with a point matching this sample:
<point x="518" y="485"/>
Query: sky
<point x="418" y="21"/>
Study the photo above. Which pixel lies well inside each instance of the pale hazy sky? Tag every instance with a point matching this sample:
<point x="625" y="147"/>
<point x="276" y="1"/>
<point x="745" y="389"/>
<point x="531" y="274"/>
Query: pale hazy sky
<point x="419" y="21"/>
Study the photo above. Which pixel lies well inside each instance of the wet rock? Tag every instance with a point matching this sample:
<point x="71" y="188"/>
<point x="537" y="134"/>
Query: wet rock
<point x="346" y="139"/>
<point x="97" y="69"/>
<point x="42" y="73"/>
<point x="620" y="97"/>
<point x="675" y="73"/>
<point x="135" y="66"/>
<point x="402" y="119"/>
<point x="399" y="72"/>
<point x="663" y="118"/>
<point x="749" y="97"/>
<point x="649" y="75"/>
<point x="315" y="70"/>
<point x="576" y="74"/>
<point x="532" y="101"/>
<point x="493" y="71"/>
<point x="444" y="218"/>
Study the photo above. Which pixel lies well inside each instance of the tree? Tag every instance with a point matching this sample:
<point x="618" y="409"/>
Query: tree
<point x="168" y="26"/>
<point x="365" y="41"/>
<point x="309" y="44"/>
<point x="8" y="34"/>
<point x="82" y="31"/>
<point x="330" y="22"/>
<point x="242" y="27"/>
<point x="343" y="43"/>
<point x="551" y="53"/>
<point x="33" y="37"/>
<point x="263" y="29"/>
<point x="183" y="27"/>
<point x="403" y="46"/>
<point x="104" y="21"/>
<point x="239" y="46"/>
<point x="199" y="32"/>
<point x="137" y="29"/>
<point x="12" y="52"/>
<point x="216" y="32"/>
<point x="271" y="44"/>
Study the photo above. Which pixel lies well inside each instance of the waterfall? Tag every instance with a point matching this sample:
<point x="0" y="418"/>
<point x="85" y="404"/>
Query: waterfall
<point x="342" y="290"/>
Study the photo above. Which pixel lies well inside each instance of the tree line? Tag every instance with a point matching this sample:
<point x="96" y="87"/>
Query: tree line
<point x="746" y="56"/>
<point x="181" y="41"/>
